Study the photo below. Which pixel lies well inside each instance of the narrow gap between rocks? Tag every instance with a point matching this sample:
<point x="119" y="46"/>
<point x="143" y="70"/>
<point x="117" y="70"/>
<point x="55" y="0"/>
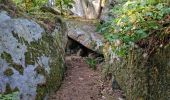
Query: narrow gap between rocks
<point x="82" y="82"/>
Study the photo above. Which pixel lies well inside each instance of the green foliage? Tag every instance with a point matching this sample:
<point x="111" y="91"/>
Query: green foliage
<point x="157" y="1"/>
<point x="64" y="4"/>
<point x="30" y="5"/>
<point x="134" y="21"/>
<point x="67" y="3"/>
<point x="33" y="5"/>
<point x="91" y="62"/>
<point x="12" y="96"/>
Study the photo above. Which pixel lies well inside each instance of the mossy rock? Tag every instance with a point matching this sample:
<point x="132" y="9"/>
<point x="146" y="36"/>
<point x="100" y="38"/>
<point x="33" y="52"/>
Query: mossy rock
<point x="8" y="72"/>
<point x="145" y="77"/>
<point x="31" y="60"/>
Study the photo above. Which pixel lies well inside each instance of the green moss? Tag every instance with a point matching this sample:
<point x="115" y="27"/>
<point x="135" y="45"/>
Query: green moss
<point x="40" y="70"/>
<point x="15" y="89"/>
<point x="20" y="39"/>
<point x="15" y="35"/>
<point x="144" y="78"/>
<point x="45" y="47"/>
<point x="6" y="56"/>
<point x="53" y="82"/>
<point x="8" y="89"/>
<point x="45" y="19"/>
<point x="29" y="60"/>
<point x="158" y="74"/>
<point x="56" y="76"/>
<point x="8" y="72"/>
<point x="93" y="44"/>
<point x="18" y="67"/>
<point x="41" y="92"/>
<point x="131" y="75"/>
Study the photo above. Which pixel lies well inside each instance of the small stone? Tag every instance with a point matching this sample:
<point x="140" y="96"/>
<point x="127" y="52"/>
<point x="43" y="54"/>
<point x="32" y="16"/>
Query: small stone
<point x="81" y="79"/>
<point x="161" y="46"/>
<point x="77" y="66"/>
<point x="103" y="97"/>
<point x="145" y="55"/>
<point x="120" y="98"/>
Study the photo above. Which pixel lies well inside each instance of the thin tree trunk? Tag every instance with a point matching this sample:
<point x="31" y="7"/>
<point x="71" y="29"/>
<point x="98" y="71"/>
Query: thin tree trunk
<point x="100" y="9"/>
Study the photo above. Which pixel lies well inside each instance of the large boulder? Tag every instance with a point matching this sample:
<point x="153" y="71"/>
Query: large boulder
<point x="143" y="76"/>
<point x="31" y="60"/>
<point x="86" y="8"/>
<point x="92" y="9"/>
<point x="84" y="32"/>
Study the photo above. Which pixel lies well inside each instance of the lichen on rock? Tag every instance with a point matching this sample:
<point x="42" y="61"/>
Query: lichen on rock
<point x="30" y="58"/>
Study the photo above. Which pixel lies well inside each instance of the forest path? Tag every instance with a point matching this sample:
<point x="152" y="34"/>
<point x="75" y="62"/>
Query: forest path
<point x="84" y="83"/>
<point x="80" y="83"/>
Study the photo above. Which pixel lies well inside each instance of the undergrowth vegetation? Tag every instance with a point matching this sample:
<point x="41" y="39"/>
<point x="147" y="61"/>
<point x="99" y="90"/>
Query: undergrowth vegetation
<point x="46" y="18"/>
<point x="91" y="62"/>
<point x="12" y="96"/>
<point x="137" y="47"/>
<point x="33" y="5"/>
<point x="135" y="20"/>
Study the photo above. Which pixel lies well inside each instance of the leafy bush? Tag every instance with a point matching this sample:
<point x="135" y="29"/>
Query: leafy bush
<point x="65" y="3"/>
<point x="33" y="5"/>
<point x="134" y="21"/>
<point x="30" y="5"/>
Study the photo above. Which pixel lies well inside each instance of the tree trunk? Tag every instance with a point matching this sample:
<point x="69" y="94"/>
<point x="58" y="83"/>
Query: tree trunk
<point x="100" y="9"/>
<point x="101" y="5"/>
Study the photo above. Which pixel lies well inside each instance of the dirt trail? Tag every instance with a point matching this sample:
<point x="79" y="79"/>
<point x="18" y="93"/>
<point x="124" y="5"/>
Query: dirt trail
<point x="81" y="82"/>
